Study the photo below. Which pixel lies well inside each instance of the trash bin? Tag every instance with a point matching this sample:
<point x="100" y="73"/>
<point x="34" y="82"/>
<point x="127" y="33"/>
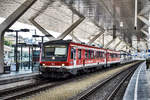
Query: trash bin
<point x="6" y="69"/>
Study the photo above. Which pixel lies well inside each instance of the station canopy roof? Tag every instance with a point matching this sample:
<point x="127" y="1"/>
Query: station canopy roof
<point x="110" y="16"/>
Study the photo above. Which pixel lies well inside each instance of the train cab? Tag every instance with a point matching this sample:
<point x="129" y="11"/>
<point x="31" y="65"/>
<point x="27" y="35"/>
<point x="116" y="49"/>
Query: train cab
<point x="54" y="57"/>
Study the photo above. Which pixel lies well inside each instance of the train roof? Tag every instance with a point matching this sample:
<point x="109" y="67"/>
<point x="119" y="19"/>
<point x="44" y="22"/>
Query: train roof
<point x="57" y="42"/>
<point x="67" y="42"/>
<point x="70" y="41"/>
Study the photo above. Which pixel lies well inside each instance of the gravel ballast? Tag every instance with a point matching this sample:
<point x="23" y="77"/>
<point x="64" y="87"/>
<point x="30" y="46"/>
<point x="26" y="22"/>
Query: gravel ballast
<point x="71" y="89"/>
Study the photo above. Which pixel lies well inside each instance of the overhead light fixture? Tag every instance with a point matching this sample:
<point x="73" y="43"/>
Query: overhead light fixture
<point x="121" y="24"/>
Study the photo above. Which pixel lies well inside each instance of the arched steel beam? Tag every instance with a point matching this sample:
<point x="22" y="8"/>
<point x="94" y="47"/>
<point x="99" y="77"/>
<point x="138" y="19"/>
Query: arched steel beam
<point x="123" y="47"/>
<point x="32" y="19"/>
<point x="74" y="37"/>
<point x="110" y="42"/>
<point x="117" y="44"/>
<point x="96" y="37"/>
<point x="144" y="10"/>
<point x="146" y="33"/>
<point x="41" y="29"/>
<point x="71" y="28"/>
<point x="143" y="19"/>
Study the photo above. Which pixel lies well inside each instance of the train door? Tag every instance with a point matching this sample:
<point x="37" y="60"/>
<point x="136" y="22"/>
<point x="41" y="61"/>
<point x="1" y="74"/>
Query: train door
<point x="79" y="54"/>
<point x="74" y="57"/>
<point x="104" y="55"/>
<point x="106" y="58"/>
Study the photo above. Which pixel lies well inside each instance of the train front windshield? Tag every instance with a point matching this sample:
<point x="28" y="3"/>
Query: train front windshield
<point x="54" y="53"/>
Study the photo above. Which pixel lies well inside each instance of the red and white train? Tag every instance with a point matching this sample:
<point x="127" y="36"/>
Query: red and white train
<point x="61" y="58"/>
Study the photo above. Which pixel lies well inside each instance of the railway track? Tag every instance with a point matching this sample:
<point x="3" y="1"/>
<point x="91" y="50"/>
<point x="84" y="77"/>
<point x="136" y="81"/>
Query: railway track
<point x="108" y="88"/>
<point x="37" y="86"/>
<point x="32" y="88"/>
<point x="22" y="90"/>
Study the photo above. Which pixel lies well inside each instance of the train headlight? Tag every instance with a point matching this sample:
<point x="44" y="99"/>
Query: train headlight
<point x="63" y="65"/>
<point x="53" y="58"/>
<point x="43" y="64"/>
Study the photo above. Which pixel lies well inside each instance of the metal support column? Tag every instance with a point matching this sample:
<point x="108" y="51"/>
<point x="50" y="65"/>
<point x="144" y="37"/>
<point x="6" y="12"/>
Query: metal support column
<point x="96" y="37"/>
<point x="29" y="57"/>
<point x="1" y="54"/>
<point x="8" y="23"/>
<point x="71" y="28"/>
<point x="21" y="57"/>
<point x="16" y="52"/>
<point x="32" y="58"/>
<point x="135" y="19"/>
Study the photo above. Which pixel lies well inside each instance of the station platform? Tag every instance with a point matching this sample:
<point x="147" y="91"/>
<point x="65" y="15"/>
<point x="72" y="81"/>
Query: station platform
<point x="17" y="76"/>
<point x="139" y="85"/>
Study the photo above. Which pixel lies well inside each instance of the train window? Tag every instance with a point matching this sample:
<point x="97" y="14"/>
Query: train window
<point x="72" y="50"/>
<point x="111" y="55"/>
<point x="86" y="54"/>
<point x="102" y="54"/>
<point x="92" y="54"/>
<point x="79" y="53"/>
<point x="89" y="52"/>
<point x="55" y="50"/>
<point x="60" y="51"/>
<point x="116" y="55"/>
<point x="49" y="51"/>
<point x="97" y="54"/>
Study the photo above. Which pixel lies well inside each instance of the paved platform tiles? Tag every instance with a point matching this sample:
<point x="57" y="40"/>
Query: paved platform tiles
<point x="14" y="73"/>
<point x="139" y="85"/>
<point x="17" y="76"/>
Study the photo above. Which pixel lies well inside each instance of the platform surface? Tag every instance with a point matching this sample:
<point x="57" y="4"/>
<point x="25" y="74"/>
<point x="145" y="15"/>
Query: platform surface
<point x="139" y="85"/>
<point x="21" y="72"/>
<point x="17" y="76"/>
